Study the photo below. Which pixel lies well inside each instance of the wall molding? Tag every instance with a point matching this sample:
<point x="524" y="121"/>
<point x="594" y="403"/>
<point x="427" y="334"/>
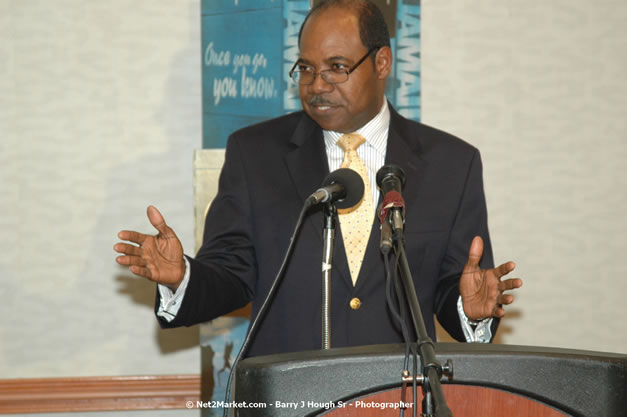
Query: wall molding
<point x="105" y="393"/>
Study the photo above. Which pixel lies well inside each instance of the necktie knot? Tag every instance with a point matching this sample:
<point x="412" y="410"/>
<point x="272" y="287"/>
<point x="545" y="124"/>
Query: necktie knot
<point x="350" y="141"/>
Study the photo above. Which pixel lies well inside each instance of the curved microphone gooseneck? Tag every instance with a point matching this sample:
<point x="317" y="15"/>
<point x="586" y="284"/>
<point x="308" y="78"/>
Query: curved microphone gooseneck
<point x="345" y="188"/>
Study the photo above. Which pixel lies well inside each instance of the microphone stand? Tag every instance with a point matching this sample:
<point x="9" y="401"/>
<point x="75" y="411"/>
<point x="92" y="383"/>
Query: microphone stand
<point x="330" y="216"/>
<point x="432" y="370"/>
<point x="348" y="190"/>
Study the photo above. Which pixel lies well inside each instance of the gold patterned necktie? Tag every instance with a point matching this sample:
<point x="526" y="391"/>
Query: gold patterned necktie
<point x="356" y="221"/>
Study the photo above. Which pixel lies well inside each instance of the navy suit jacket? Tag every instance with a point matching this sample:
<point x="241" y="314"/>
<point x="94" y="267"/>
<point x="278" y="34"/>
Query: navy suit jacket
<point x="269" y="171"/>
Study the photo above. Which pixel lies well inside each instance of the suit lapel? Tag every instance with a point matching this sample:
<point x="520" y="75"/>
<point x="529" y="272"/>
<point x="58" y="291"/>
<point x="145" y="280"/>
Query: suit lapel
<point x="404" y="151"/>
<point x="307" y="164"/>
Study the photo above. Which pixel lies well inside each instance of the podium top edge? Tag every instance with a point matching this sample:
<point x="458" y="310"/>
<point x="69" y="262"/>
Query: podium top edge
<point x="394" y="350"/>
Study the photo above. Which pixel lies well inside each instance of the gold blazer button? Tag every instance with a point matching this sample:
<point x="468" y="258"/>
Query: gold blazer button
<point x="355" y="303"/>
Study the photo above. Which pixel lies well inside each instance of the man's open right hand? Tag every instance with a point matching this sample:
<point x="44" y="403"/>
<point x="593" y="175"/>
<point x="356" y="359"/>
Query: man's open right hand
<point x="158" y="258"/>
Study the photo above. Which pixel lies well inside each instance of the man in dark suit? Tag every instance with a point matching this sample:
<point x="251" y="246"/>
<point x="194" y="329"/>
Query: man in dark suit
<point x="271" y="168"/>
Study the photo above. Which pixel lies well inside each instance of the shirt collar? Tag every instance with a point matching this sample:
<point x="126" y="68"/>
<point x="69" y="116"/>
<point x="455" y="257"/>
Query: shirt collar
<point x="375" y="131"/>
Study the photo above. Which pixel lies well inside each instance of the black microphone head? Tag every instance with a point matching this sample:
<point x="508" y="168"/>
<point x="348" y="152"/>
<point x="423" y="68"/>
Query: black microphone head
<point x="352" y="183"/>
<point x="386" y="177"/>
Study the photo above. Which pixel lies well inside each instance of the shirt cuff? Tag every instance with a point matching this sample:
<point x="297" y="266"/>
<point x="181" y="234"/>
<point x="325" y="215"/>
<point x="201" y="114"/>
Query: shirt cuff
<point x="170" y="302"/>
<point x="474" y="331"/>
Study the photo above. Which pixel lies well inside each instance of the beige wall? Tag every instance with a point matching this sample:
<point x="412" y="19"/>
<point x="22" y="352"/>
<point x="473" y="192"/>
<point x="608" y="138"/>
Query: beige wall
<point x="539" y="86"/>
<point x="100" y="114"/>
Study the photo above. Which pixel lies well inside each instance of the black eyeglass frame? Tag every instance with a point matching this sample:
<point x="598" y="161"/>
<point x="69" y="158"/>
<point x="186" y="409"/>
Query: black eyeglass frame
<point x="321" y="73"/>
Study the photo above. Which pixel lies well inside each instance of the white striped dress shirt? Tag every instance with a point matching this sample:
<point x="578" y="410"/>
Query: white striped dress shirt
<point x="372" y="152"/>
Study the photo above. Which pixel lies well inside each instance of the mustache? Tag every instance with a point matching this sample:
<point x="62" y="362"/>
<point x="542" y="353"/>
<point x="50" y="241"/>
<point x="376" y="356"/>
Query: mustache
<point x="319" y="101"/>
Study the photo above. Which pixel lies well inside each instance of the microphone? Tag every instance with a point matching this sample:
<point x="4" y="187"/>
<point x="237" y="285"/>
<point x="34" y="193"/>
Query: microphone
<point x="344" y="187"/>
<point x="391" y="180"/>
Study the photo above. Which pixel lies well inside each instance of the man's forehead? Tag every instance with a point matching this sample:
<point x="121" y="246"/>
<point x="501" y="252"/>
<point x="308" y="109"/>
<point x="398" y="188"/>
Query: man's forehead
<point x="339" y="18"/>
<point x="340" y="12"/>
<point x="326" y="41"/>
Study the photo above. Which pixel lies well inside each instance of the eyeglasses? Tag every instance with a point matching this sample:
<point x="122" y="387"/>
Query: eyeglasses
<point x="307" y="76"/>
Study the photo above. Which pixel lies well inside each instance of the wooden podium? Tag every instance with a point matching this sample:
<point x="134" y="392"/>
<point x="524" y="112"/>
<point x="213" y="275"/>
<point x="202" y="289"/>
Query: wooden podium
<point x="488" y="380"/>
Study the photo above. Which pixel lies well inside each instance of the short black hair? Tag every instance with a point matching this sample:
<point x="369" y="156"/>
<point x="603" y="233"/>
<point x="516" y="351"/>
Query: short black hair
<point x="373" y="31"/>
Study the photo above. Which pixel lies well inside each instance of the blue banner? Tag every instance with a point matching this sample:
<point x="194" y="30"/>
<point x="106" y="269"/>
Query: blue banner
<point x="249" y="46"/>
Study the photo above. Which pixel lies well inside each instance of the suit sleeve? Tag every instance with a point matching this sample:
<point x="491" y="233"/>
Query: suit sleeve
<point x="223" y="273"/>
<point x="471" y="220"/>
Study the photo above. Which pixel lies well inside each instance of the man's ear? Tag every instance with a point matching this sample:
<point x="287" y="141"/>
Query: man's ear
<point x="383" y="62"/>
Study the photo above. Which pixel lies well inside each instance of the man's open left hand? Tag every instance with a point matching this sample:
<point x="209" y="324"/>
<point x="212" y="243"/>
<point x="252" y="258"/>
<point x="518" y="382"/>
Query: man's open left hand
<point x="483" y="290"/>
